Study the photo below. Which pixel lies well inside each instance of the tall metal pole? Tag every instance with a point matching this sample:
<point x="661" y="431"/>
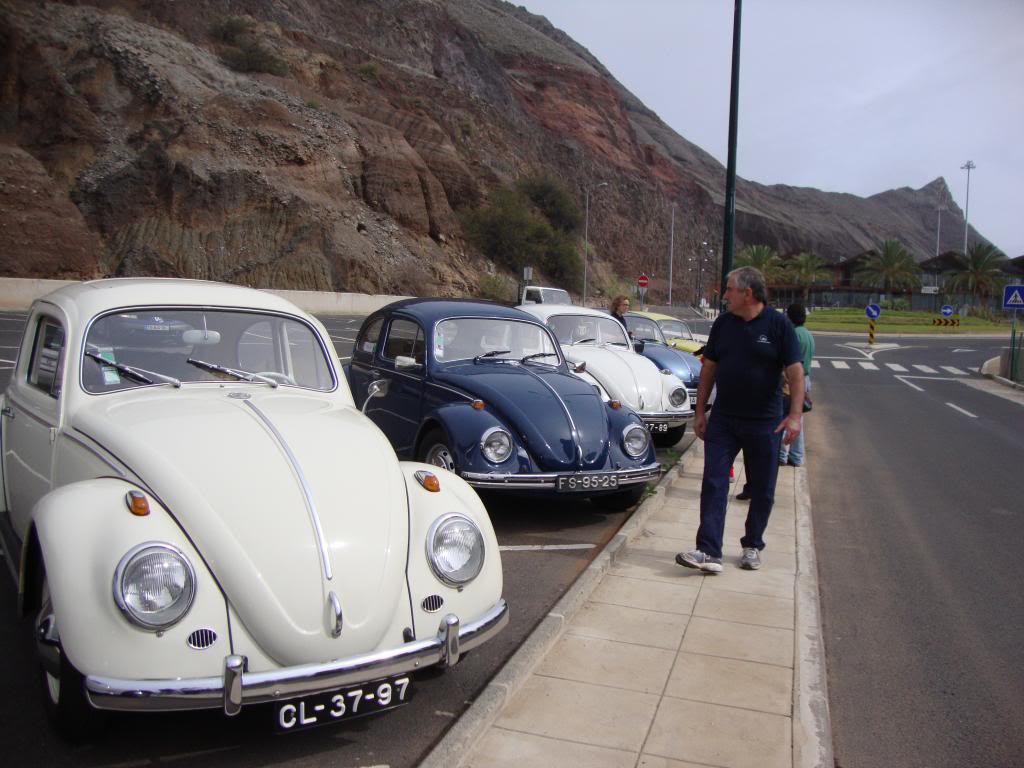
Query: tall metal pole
<point x="700" y="267"/>
<point x="968" y="166"/>
<point x="586" y="243"/>
<point x="938" y="228"/>
<point x="671" y="251"/>
<point x="730" y="174"/>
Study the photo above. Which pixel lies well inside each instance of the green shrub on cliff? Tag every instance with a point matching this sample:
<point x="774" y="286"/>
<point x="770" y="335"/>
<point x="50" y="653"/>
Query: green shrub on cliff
<point x="240" y="49"/>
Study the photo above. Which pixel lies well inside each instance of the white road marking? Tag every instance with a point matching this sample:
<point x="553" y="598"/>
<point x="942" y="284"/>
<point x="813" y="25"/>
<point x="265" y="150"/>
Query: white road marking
<point x="840" y="365"/>
<point x="815" y="364"/>
<point x="925" y="369"/>
<point x="964" y="350"/>
<point x="951" y="369"/>
<point x="542" y="547"/>
<point x="347" y="357"/>
<point x="909" y="384"/>
<point x="341" y="338"/>
<point x="896" y="367"/>
<point x="926" y="378"/>
<point x="958" y="408"/>
<point x="868" y="366"/>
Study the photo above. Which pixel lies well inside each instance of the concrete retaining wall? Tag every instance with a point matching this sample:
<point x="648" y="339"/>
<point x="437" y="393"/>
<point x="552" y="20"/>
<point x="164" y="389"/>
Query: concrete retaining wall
<point x="18" y="293"/>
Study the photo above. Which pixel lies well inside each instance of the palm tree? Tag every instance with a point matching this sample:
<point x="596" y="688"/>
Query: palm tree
<point x="982" y="273"/>
<point x="892" y="268"/>
<point x="805" y="270"/>
<point x="764" y="258"/>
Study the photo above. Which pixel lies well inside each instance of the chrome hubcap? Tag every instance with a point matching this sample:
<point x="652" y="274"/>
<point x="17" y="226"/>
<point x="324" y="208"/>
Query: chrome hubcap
<point x="440" y="456"/>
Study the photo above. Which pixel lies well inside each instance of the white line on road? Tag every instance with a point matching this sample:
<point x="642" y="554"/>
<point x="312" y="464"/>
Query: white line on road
<point x="341" y="338"/>
<point x="868" y="366"/>
<point x="815" y="364"/>
<point x="840" y="365"/>
<point x="951" y="369"/>
<point x="964" y="350"/>
<point x="926" y="378"/>
<point x="896" y="367"/>
<point x="542" y="547"/>
<point x="347" y="357"/>
<point x="958" y="408"/>
<point x="925" y="369"/>
<point x="912" y="386"/>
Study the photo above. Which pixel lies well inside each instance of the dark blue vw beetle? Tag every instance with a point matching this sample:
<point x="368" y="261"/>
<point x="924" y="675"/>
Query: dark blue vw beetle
<point x="483" y="390"/>
<point x="651" y="343"/>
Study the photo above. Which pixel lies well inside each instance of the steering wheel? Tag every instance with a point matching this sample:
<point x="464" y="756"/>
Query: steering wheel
<point x="280" y="378"/>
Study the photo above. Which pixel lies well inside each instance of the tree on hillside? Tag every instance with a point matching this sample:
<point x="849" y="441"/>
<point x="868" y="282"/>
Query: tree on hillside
<point x="764" y="258"/>
<point x="890" y="269"/>
<point x="805" y="270"/>
<point x="982" y="272"/>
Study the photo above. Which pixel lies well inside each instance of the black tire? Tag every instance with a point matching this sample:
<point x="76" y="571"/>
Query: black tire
<point x="669" y="438"/>
<point x="620" y="500"/>
<point x="62" y="686"/>
<point x="434" y="449"/>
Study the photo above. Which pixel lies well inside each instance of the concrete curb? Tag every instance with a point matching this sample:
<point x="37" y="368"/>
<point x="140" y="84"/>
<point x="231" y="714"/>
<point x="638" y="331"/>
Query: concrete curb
<point x="456" y="745"/>
<point x="812" y="724"/>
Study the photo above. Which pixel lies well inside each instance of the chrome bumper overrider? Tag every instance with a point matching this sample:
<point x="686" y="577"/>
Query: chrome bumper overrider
<point x="672" y="418"/>
<point x="237" y="687"/>
<point x="550" y="479"/>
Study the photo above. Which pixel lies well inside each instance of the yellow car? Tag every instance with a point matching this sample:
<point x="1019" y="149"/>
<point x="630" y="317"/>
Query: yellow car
<point x="677" y="333"/>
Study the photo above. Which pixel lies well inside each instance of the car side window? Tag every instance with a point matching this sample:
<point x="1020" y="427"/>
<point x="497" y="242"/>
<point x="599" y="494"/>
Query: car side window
<point x="366" y="342"/>
<point x="405" y="338"/>
<point x="46" y="368"/>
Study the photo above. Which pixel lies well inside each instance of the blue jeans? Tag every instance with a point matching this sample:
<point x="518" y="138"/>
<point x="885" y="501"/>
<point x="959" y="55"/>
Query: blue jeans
<point x="795" y="450"/>
<point x="724" y="438"/>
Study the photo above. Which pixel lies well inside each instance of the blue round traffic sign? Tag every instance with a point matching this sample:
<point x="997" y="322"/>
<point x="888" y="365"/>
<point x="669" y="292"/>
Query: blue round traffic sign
<point x="872" y="311"/>
<point x="946" y="310"/>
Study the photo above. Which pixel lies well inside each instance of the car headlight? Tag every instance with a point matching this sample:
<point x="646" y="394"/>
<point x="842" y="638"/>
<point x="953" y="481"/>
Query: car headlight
<point x="455" y="549"/>
<point x="679" y="397"/>
<point x="154" y="585"/>
<point x="496" y="445"/>
<point x="636" y="440"/>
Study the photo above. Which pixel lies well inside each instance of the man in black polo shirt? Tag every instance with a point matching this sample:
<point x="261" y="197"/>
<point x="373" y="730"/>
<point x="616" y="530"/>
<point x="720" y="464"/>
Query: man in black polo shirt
<point x="748" y="349"/>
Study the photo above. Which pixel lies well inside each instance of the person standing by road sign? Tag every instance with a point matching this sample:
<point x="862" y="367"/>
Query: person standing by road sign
<point x="793" y="453"/>
<point x="749" y="347"/>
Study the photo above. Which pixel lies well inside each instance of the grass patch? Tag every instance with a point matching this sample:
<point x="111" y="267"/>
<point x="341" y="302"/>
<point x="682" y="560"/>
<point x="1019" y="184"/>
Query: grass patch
<point x="893" y="321"/>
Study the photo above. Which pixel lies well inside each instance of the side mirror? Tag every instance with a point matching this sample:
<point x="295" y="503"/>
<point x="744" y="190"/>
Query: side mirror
<point x="403" y="363"/>
<point x="580" y="367"/>
<point x="638" y="347"/>
<point x="376" y="388"/>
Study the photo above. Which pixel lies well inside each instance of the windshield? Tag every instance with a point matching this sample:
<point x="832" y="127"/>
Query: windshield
<point x="644" y="329"/>
<point x="467" y="338"/>
<point x="183" y="345"/>
<point x="675" y="329"/>
<point x="555" y="296"/>
<point x="587" y="329"/>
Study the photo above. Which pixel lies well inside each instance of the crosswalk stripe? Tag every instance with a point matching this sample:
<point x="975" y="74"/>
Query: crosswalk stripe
<point x="956" y="371"/>
<point x="841" y="364"/>
<point x="925" y="369"/>
<point x="868" y="366"/>
<point x="896" y="367"/>
<point x="815" y="364"/>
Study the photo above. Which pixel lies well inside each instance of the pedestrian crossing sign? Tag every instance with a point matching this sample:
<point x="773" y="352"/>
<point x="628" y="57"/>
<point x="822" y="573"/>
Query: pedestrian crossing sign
<point x="1013" y="297"/>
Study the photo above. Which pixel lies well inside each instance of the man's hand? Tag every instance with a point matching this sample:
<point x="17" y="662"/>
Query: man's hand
<point x="700" y="423"/>
<point x="791" y="425"/>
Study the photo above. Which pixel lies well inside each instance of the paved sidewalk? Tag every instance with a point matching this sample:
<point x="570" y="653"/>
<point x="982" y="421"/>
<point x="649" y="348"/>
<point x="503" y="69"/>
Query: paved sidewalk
<point x="660" y="666"/>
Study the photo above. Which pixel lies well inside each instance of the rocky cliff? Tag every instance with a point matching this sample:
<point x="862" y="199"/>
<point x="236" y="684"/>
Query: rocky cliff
<point x="332" y="144"/>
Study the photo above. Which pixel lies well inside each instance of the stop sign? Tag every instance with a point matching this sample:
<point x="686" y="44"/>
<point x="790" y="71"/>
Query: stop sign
<point x="642" y="280"/>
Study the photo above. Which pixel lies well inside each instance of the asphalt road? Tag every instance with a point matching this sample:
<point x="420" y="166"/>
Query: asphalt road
<point x="545" y="547"/>
<point x="915" y="480"/>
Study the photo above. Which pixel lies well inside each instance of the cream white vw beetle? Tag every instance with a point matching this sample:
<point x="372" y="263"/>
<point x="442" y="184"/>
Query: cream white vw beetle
<point x="203" y="519"/>
<point x="599" y="342"/>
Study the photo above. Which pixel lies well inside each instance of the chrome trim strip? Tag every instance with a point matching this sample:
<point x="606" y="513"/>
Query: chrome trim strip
<point x="307" y="493"/>
<point x="550" y="479"/>
<point x="289" y="682"/>
<point x="28" y="412"/>
<point x="674" y="418"/>
<point x="451" y="389"/>
<point x="65" y="433"/>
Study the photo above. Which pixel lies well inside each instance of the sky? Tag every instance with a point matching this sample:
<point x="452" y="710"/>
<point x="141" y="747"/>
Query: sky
<point x="855" y="96"/>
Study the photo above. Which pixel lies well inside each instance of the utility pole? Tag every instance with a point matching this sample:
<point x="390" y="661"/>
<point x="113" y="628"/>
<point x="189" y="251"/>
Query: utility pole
<point x="938" y="227"/>
<point x="730" y="173"/>
<point x="671" y="251"/>
<point x="968" y="166"/>
<point x="586" y="236"/>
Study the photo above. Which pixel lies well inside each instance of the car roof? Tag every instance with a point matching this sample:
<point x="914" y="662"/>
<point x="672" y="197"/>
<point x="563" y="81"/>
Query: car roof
<point x="544" y="311"/>
<point x="429" y="311"/>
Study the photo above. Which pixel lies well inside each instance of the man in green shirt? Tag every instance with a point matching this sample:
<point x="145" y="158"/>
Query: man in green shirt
<point x="793" y="454"/>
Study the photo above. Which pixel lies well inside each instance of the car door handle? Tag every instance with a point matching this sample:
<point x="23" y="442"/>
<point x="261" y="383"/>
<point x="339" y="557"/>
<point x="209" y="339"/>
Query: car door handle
<point x="8" y="412"/>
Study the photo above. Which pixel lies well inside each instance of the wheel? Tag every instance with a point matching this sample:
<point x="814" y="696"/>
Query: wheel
<point x="620" y="500"/>
<point x="62" y="686"/>
<point x="280" y="378"/>
<point x="669" y="438"/>
<point x="434" y="450"/>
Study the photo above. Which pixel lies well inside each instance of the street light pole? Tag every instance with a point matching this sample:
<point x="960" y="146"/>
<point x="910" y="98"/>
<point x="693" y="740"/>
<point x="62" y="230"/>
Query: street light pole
<point x="938" y="227"/>
<point x="671" y="251"/>
<point x="586" y="236"/>
<point x="968" y="166"/>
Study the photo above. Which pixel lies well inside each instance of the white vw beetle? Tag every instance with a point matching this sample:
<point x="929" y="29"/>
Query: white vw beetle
<point x="602" y="352"/>
<point x="204" y="519"/>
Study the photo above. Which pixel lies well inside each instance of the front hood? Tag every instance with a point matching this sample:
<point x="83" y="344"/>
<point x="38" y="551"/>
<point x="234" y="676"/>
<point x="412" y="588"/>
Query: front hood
<point x="625" y="375"/>
<point x="224" y="473"/>
<point x="560" y="418"/>
<point x="675" y="361"/>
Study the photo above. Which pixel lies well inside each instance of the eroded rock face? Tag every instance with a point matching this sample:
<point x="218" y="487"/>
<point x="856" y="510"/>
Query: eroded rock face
<point x="128" y="147"/>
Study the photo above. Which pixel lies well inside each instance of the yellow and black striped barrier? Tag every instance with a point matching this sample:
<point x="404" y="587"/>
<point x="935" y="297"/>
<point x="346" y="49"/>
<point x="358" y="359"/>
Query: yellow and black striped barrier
<point x="946" y="321"/>
<point x="871" y="331"/>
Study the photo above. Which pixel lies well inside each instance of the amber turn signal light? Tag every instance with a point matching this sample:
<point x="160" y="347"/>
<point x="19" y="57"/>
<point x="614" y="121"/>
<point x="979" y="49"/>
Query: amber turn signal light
<point x="478" y="404"/>
<point x="615" y="404"/>
<point x="428" y="480"/>
<point x="137" y="503"/>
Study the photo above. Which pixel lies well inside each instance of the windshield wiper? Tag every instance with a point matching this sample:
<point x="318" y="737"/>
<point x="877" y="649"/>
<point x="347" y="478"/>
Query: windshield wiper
<point x="582" y="341"/>
<point x="242" y="375"/>
<point x="535" y="355"/>
<point x="492" y="353"/>
<point x="139" y="374"/>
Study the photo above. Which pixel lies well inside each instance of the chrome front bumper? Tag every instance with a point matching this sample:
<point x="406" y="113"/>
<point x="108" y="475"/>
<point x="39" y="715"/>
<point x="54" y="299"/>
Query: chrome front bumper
<point x="672" y="418"/>
<point x="237" y="687"/>
<point x="549" y="480"/>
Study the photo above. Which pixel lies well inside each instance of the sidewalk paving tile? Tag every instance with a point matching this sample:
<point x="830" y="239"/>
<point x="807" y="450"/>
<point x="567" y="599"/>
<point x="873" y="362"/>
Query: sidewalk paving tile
<point x="651" y="596"/>
<point x="582" y="712"/>
<point x="629" y="625"/>
<point x="769" y="645"/>
<point x="653" y="761"/>
<point x="510" y="749"/>
<point x="721" y="736"/>
<point x="741" y="607"/>
<point x="732" y="682"/>
<point x="608" y="662"/>
<point x="766" y="581"/>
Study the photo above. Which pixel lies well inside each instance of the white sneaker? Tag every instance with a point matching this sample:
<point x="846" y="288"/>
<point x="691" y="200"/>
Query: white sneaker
<point x="751" y="559"/>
